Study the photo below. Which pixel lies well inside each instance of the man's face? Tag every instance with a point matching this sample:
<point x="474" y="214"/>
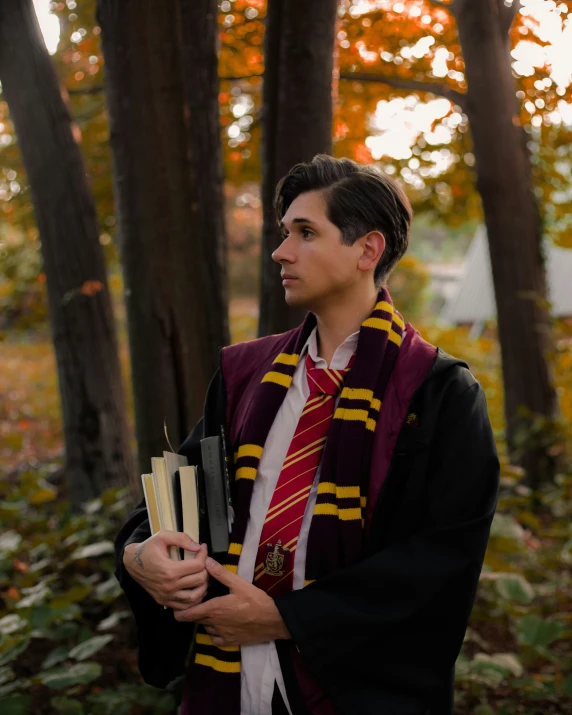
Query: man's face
<point x="316" y="266"/>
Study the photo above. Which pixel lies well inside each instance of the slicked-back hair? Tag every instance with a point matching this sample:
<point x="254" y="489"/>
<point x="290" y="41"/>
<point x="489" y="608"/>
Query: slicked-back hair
<point x="359" y="199"/>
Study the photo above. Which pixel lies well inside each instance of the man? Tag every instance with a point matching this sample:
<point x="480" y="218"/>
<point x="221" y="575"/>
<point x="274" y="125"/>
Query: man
<point x="366" y="479"/>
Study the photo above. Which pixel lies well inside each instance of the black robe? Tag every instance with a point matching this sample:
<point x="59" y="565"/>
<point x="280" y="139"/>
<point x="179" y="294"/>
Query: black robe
<point x="382" y="635"/>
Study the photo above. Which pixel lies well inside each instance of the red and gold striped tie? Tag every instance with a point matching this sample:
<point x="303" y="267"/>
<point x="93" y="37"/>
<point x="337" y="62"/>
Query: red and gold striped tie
<point x="274" y="567"/>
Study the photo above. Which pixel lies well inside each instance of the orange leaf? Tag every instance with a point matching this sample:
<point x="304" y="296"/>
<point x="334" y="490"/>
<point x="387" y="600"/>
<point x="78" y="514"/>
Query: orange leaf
<point x="21" y="566"/>
<point x="91" y="288"/>
<point x="340" y="129"/>
<point x="363" y="154"/>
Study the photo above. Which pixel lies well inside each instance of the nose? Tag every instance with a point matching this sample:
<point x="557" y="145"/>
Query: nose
<point x="285" y="252"/>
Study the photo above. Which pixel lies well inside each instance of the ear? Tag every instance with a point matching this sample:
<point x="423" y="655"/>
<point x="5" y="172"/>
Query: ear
<point x="373" y="245"/>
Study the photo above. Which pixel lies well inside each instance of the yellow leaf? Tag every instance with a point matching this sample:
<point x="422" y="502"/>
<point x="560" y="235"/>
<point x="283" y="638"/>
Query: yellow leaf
<point x="43" y="495"/>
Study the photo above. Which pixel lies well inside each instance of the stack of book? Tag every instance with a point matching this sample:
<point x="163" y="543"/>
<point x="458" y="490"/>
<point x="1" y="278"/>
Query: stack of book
<point x="194" y="499"/>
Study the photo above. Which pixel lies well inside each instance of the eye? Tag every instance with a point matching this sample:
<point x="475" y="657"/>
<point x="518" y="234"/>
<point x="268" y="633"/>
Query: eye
<point x="306" y="233"/>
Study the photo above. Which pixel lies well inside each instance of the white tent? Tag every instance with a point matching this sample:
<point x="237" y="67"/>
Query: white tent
<point x="473" y="301"/>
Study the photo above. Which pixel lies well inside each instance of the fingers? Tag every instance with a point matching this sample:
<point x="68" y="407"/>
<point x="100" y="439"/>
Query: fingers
<point x="187" y="567"/>
<point x="191" y="613"/>
<point x="177" y="538"/>
<point x="224" y="576"/>
<point x="164" y="578"/>
<point x="173" y="571"/>
<point x="184" y="615"/>
<point x="174" y="589"/>
<point x="190" y="595"/>
<point x="168" y="587"/>
<point x="192" y="581"/>
<point x="183" y="600"/>
<point x="216" y="636"/>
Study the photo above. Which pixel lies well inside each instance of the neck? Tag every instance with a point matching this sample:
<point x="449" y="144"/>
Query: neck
<point x="342" y="318"/>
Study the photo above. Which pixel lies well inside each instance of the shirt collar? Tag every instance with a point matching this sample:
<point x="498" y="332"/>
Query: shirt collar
<point x="341" y="356"/>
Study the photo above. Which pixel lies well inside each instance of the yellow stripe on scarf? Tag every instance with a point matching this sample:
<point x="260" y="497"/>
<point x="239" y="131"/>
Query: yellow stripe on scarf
<point x="326" y="509"/>
<point x="245" y="473"/>
<point x="379" y="323"/>
<point x="249" y="450"/>
<point x="398" y="321"/>
<point x="356" y="393"/>
<point x="395" y="338"/>
<point x="385" y="306"/>
<point x="343" y="413"/>
<point x="287" y="359"/>
<point x="340" y="492"/>
<point x="206" y="639"/>
<point x="222" y="666"/>
<point x="333" y="510"/>
<point x="349" y="514"/>
<point x="279" y="378"/>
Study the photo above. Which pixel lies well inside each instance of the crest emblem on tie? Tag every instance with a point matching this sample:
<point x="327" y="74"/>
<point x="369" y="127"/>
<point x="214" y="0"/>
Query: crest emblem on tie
<point x="275" y="557"/>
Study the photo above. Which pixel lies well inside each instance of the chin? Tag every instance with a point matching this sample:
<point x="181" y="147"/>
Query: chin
<point x="296" y="301"/>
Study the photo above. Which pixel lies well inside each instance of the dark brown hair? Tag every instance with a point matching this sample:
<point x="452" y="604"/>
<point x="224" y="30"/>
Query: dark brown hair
<point x="359" y="199"/>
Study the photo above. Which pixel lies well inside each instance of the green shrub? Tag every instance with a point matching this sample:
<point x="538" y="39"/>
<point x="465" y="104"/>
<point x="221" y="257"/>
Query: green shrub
<point x="517" y="654"/>
<point x="23" y="295"/>
<point x="67" y="642"/>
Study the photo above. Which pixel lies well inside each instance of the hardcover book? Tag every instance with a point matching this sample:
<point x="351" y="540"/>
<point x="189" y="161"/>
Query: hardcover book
<point x="192" y="499"/>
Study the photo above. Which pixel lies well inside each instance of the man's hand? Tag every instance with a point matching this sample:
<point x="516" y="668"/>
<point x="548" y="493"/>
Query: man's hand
<point x="175" y="584"/>
<point x="247" y="615"/>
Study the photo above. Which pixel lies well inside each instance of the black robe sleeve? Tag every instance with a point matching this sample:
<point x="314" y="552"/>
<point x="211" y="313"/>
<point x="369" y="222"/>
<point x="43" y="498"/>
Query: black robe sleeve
<point x="382" y="635"/>
<point x="164" y="642"/>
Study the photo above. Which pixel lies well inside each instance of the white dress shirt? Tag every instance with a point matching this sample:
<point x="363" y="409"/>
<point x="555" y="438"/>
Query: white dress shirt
<point x="260" y="667"/>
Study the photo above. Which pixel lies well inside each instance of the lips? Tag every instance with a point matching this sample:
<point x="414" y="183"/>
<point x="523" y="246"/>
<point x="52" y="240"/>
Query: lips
<point x="287" y="276"/>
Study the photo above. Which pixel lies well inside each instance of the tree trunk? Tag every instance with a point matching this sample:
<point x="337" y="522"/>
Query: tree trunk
<point x="170" y="241"/>
<point x="504" y="181"/>
<point x="95" y="431"/>
<point x="296" y="123"/>
<point x="199" y="38"/>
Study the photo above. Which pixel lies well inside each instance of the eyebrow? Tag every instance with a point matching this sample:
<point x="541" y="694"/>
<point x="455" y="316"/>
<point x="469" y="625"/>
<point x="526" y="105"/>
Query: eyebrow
<point x="298" y="220"/>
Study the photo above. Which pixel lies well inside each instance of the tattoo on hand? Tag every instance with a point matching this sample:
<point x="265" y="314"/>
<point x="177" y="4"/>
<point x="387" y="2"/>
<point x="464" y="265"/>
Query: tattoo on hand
<point x="137" y="556"/>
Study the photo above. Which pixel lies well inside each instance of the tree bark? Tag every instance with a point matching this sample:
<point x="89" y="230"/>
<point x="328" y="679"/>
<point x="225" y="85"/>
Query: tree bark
<point x="169" y="207"/>
<point x="504" y="181"/>
<point x="297" y="123"/>
<point x="199" y="38"/>
<point x="81" y="320"/>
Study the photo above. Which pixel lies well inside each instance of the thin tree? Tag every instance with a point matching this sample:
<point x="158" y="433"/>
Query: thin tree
<point x="296" y="123"/>
<point x="97" y="453"/>
<point x="169" y="203"/>
<point x="504" y="181"/>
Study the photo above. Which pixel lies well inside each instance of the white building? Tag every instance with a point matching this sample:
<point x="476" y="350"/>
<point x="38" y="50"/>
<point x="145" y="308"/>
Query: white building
<point x="473" y="299"/>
